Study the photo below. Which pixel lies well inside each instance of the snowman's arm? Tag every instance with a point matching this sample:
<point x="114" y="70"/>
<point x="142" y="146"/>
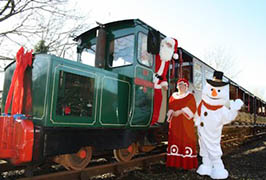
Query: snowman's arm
<point x="231" y="113"/>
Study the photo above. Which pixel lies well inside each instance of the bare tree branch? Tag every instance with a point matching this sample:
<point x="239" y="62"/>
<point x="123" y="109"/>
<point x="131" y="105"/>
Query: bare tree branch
<point x="26" y="22"/>
<point x="221" y="59"/>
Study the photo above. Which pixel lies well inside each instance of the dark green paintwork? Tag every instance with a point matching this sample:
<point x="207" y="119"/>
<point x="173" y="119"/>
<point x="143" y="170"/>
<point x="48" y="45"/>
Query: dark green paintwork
<point x="143" y="99"/>
<point x="117" y="101"/>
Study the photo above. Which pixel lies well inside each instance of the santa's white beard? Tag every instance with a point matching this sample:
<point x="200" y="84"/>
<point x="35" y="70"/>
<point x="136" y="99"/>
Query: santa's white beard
<point x="166" y="53"/>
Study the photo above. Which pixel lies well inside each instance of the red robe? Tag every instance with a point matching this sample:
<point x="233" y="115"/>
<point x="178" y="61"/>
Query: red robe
<point x="161" y="69"/>
<point x="181" y="151"/>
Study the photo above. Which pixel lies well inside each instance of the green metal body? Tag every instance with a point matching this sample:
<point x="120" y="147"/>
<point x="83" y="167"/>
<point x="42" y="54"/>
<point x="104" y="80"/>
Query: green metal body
<point x="116" y="100"/>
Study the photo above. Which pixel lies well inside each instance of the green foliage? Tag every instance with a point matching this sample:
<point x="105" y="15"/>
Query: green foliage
<point x="40" y="47"/>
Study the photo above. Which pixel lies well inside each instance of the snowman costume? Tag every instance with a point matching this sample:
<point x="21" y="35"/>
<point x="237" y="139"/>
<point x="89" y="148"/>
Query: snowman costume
<point x="211" y="116"/>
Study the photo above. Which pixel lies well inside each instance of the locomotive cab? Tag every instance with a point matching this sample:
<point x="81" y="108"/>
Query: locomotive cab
<point x="121" y="48"/>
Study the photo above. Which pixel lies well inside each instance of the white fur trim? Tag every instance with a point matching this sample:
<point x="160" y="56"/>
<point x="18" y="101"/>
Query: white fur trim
<point x="175" y="56"/>
<point x="164" y="83"/>
<point x="169" y="40"/>
<point x="157" y="86"/>
<point x="160" y="71"/>
<point x="177" y="96"/>
<point x="188" y="113"/>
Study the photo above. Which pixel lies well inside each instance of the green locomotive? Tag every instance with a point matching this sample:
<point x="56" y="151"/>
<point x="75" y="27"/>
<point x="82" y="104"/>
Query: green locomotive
<point x="104" y="100"/>
<point x="105" y="104"/>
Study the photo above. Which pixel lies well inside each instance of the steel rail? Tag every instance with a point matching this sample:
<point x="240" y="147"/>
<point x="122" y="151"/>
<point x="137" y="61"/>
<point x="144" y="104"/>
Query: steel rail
<point x="116" y="168"/>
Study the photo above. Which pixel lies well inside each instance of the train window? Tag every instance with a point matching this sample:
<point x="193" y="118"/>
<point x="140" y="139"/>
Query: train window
<point x="143" y="56"/>
<point x="246" y="102"/>
<point x="233" y="91"/>
<point x="88" y="55"/>
<point x="121" y="51"/>
<point x="71" y="103"/>
<point x="187" y="72"/>
<point x="208" y="74"/>
<point x="197" y="76"/>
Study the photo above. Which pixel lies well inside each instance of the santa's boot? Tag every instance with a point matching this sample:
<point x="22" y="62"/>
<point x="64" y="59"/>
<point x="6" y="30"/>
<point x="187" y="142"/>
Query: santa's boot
<point x="206" y="167"/>
<point x="218" y="170"/>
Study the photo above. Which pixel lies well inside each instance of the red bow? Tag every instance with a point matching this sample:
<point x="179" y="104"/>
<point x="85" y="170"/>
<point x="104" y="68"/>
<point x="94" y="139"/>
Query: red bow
<point x="17" y="83"/>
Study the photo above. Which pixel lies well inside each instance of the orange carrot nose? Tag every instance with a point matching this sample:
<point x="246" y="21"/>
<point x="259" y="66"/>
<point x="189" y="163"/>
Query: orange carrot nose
<point x="214" y="93"/>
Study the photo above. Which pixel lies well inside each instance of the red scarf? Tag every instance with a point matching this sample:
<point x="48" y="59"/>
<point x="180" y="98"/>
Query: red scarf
<point x="210" y="107"/>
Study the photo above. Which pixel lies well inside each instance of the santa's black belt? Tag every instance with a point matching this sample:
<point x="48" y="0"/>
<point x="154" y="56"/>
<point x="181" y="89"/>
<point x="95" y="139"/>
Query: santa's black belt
<point x="159" y="77"/>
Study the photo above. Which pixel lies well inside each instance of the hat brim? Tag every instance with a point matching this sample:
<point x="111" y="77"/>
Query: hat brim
<point x="217" y="84"/>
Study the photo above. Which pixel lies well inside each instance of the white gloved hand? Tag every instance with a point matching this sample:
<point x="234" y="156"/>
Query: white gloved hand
<point x="169" y="115"/>
<point x="236" y="105"/>
<point x="196" y="120"/>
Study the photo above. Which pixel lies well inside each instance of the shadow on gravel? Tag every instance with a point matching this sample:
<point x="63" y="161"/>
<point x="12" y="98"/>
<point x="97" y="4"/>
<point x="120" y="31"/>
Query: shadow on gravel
<point x="248" y="162"/>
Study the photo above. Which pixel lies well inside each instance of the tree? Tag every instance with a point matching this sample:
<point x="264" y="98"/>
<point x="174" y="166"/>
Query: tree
<point x="41" y="47"/>
<point x="221" y="59"/>
<point x="26" y="22"/>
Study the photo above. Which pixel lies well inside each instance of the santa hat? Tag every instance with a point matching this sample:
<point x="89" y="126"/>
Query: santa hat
<point x="175" y="56"/>
<point x="183" y="80"/>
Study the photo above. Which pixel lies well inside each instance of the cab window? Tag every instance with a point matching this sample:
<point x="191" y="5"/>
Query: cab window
<point x="88" y="55"/>
<point x="121" y="51"/>
<point x="144" y="57"/>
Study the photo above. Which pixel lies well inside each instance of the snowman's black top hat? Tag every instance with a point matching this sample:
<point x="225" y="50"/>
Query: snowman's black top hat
<point x="217" y="79"/>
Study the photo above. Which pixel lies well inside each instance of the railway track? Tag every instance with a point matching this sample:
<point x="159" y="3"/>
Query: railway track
<point x="233" y="136"/>
<point x="114" y="168"/>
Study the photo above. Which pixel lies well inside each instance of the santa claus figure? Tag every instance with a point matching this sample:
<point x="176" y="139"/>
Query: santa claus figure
<point x="168" y="50"/>
<point x="212" y="115"/>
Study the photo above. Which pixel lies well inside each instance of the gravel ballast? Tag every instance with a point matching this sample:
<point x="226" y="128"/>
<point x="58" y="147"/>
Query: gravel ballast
<point x="245" y="162"/>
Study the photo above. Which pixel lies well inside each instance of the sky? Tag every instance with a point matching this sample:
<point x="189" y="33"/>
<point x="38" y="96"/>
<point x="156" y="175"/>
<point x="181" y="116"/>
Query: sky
<point x="199" y="26"/>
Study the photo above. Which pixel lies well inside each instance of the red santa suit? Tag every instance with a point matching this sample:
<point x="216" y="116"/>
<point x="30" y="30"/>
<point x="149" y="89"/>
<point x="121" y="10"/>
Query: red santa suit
<point x="167" y="48"/>
<point x="181" y="151"/>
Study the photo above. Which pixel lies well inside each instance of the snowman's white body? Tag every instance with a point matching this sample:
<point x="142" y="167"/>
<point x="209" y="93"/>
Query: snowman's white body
<point x="210" y="123"/>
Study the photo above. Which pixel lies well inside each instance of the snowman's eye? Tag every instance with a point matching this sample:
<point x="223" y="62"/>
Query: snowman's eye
<point x="219" y="90"/>
<point x="211" y="89"/>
